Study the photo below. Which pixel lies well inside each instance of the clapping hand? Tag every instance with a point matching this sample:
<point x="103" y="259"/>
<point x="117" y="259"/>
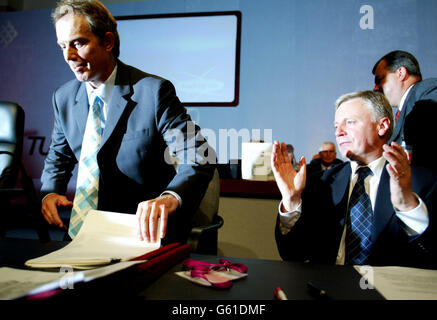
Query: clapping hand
<point x="291" y="183"/>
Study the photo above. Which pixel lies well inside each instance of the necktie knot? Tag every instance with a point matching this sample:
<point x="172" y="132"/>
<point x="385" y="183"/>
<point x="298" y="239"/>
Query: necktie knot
<point x="363" y="173"/>
<point x="98" y="102"/>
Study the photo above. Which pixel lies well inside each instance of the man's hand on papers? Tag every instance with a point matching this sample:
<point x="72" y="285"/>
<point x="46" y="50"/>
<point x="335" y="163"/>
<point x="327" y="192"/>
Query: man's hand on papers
<point x="49" y="208"/>
<point x="148" y="213"/>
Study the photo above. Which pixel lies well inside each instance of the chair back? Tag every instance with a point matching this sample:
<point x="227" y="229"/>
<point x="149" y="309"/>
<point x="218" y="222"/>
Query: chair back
<point x="209" y="205"/>
<point x="11" y="142"/>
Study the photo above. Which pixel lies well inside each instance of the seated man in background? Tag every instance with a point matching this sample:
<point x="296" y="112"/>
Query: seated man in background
<point x="374" y="209"/>
<point x="290" y="151"/>
<point x="326" y="160"/>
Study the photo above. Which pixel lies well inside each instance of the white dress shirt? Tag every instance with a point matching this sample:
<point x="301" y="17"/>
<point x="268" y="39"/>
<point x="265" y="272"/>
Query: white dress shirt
<point x="414" y="221"/>
<point x="404" y="96"/>
<point x="104" y="92"/>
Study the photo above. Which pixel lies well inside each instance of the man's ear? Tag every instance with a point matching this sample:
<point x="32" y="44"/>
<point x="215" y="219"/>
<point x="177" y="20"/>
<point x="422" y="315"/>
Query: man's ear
<point x="109" y="41"/>
<point x="402" y="73"/>
<point x="383" y="126"/>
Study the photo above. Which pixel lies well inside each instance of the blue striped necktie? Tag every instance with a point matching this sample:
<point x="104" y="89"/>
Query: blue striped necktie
<point x="359" y="222"/>
<point x="87" y="188"/>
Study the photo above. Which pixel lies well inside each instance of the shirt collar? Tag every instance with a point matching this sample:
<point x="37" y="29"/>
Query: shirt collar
<point x="376" y="166"/>
<point x="404" y="96"/>
<point x="105" y="90"/>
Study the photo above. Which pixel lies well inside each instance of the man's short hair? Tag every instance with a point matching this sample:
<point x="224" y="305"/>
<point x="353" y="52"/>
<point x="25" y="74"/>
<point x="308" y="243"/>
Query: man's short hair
<point x="376" y="102"/>
<point x="397" y="59"/>
<point x="99" y="18"/>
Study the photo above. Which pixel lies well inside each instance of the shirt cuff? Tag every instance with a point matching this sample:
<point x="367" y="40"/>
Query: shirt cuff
<point x="417" y="220"/>
<point x="288" y="219"/>
<point x="174" y="194"/>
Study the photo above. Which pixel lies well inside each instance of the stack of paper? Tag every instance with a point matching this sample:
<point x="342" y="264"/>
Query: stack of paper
<point x="400" y="283"/>
<point x="18" y="283"/>
<point x="105" y="237"/>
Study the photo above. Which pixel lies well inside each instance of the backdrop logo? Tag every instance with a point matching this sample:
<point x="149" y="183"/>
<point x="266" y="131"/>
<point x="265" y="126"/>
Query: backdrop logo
<point x="367" y="20"/>
<point x="7" y="33"/>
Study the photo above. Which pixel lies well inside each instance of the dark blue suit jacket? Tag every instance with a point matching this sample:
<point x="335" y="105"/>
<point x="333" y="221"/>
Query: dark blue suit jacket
<point x="425" y="90"/>
<point x="416" y="123"/>
<point x="145" y="121"/>
<point x="316" y="235"/>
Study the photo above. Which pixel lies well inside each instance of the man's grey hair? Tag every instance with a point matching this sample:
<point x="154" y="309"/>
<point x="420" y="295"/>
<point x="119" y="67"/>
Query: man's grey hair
<point x="327" y="143"/>
<point x="377" y="104"/>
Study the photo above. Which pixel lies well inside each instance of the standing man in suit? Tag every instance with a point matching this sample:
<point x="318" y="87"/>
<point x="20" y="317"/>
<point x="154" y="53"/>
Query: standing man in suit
<point x="398" y="77"/>
<point x="326" y="160"/>
<point x="318" y="217"/>
<point x="131" y="121"/>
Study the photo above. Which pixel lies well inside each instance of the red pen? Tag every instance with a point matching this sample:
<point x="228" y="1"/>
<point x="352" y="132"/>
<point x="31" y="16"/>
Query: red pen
<point x="280" y="294"/>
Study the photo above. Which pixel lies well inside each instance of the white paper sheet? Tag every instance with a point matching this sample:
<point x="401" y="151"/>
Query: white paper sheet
<point x="400" y="283"/>
<point x="17" y="283"/>
<point x="103" y="238"/>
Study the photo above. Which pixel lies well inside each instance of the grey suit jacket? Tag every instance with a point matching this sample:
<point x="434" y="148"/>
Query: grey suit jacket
<point x="145" y="121"/>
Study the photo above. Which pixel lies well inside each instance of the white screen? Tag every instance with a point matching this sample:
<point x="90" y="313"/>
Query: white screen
<point x="198" y="54"/>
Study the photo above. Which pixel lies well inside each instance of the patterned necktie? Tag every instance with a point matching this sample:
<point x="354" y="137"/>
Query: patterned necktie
<point x="87" y="187"/>
<point x="359" y="223"/>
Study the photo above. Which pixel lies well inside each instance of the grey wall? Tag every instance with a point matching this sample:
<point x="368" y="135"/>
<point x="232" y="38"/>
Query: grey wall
<point x="297" y="57"/>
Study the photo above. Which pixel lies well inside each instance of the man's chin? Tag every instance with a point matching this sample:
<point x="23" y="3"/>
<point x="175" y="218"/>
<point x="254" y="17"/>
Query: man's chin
<point x="82" y="77"/>
<point x="348" y="154"/>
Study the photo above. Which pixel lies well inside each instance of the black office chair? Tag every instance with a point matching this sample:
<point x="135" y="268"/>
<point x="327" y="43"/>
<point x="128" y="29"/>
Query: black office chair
<point x="13" y="173"/>
<point x="204" y="234"/>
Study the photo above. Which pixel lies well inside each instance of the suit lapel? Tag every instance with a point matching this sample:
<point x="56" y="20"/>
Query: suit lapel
<point x="406" y="109"/>
<point x="383" y="207"/>
<point x="340" y="193"/>
<point x="80" y="109"/>
<point x="340" y="184"/>
<point x="118" y="102"/>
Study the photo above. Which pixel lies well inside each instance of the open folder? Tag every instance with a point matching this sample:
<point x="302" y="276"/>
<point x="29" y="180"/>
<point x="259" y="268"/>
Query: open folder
<point x="104" y="237"/>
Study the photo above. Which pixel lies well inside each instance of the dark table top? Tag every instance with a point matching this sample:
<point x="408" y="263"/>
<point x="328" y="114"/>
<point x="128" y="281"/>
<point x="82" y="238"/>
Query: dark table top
<point x="340" y="282"/>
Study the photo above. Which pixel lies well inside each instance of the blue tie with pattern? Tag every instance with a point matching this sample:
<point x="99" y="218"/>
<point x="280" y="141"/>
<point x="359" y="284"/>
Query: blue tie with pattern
<point x="87" y="187"/>
<point x="359" y="222"/>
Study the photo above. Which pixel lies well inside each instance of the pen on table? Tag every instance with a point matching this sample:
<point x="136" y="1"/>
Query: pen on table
<point x="317" y="292"/>
<point x="280" y="294"/>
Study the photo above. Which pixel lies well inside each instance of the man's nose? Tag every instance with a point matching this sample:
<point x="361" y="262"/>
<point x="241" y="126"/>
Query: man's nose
<point x="69" y="53"/>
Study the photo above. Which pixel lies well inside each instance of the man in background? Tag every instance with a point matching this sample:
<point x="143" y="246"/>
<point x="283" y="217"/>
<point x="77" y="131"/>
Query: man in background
<point x="326" y="160"/>
<point x="399" y="78"/>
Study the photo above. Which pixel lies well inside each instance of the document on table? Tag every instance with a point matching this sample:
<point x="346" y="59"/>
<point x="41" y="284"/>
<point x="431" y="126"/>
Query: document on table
<point x="17" y="283"/>
<point x="105" y="237"/>
<point x="400" y="283"/>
